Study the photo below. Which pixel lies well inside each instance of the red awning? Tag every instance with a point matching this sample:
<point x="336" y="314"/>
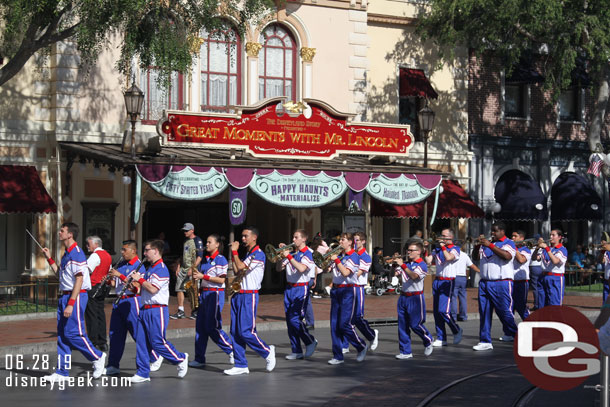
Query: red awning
<point x="413" y="82"/>
<point x="21" y="191"/>
<point x="453" y="202"/>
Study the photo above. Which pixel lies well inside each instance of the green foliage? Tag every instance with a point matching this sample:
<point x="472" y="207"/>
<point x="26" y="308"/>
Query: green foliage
<point x="156" y="32"/>
<point x="562" y="32"/>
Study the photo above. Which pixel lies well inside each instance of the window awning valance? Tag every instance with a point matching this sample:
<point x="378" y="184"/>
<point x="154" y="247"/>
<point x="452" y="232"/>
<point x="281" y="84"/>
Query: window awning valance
<point x="413" y="82"/>
<point x="22" y="191"/>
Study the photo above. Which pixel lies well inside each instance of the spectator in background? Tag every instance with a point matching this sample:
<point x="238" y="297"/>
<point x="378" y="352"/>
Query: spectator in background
<point x="166" y="248"/>
<point x="578" y="257"/>
<point x="535" y="273"/>
<point x="377" y="264"/>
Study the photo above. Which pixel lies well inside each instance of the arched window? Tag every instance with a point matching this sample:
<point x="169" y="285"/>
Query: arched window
<point x="277" y="63"/>
<point x="220" y="62"/>
<point x="157" y="99"/>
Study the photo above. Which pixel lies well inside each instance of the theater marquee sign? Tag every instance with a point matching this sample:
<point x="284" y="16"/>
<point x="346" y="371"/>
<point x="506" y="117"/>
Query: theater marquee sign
<point x="276" y="128"/>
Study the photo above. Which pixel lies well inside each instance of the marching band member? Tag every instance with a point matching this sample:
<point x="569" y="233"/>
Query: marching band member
<point x="298" y="266"/>
<point x="193" y="243"/>
<point x="99" y="263"/>
<point x="459" y="288"/>
<point x="553" y="269"/>
<point x="212" y="274"/>
<point x="244" y="303"/>
<point x="446" y="259"/>
<point x="521" y="264"/>
<point x="362" y="278"/>
<point x="411" y="304"/>
<point x="73" y="283"/>
<point x="154" y="315"/>
<point x="605" y="255"/>
<point x="124" y="317"/>
<point x="342" y="301"/>
<point x="496" y="285"/>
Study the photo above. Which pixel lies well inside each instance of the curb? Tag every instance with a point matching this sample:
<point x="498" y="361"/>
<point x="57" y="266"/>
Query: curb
<point x="33" y="315"/>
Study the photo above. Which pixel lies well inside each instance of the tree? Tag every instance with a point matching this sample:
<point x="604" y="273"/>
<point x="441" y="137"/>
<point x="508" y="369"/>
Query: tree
<point x="159" y="32"/>
<point x="562" y="32"/>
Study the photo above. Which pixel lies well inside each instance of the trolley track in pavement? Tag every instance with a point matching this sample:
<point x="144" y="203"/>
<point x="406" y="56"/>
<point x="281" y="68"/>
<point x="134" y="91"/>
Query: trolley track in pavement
<point x="521" y="400"/>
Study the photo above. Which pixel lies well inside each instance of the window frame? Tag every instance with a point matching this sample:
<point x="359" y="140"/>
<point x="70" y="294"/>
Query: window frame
<point x="578" y="106"/>
<point x="238" y="72"/>
<point x="526" y="99"/>
<point x="145" y="115"/>
<point x="262" y="75"/>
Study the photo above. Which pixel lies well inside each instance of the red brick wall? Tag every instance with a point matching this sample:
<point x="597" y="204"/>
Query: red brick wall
<point x="484" y="108"/>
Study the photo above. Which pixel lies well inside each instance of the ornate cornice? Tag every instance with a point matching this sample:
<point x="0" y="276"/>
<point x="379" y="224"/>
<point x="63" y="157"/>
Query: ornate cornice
<point x="385" y="19"/>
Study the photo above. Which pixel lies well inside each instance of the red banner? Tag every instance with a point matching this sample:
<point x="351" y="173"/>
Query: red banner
<point x="312" y="130"/>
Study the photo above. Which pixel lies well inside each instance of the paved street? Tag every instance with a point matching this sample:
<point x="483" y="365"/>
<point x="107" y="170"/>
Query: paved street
<point x="380" y="379"/>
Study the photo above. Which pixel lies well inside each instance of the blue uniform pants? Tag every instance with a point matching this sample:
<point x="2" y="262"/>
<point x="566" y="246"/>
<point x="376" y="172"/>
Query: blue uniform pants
<point x="152" y="325"/>
<point x="552" y="290"/>
<point x="535" y="284"/>
<point x="309" y="317"/>
<point x="71" y="334"/>
<point x="124" y="319"/>
<point x="441" y="292"/>
<point x="606" y="291"/>
<point x="209" y="324"/>
<point x="459" y="293"/>
<point x="342" y="309"/>
<point x="496" y="294"/>
<point x="520" y="290"/>
<point x="412" y="316"/>
<point x="243" y="328"/>
<point x="359" y="321"/>
<point x="295" y="300"/>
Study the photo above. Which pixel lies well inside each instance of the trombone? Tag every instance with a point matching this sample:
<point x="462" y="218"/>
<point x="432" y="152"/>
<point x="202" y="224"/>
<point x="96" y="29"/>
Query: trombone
<point x="323" y="260"/>
<point x="276" y="253"/>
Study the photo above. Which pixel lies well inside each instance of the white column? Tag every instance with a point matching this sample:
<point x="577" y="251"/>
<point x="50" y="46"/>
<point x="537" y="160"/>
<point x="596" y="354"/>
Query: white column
<point x="307" y="55"/>
<point x="252" y="50"/>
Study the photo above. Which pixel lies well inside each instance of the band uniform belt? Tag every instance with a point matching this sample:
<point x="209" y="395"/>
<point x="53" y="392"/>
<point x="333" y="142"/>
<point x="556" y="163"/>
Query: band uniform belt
<point x="248" y="291"/>
<point x="553" y="274"/>
<point x="70" y="292"/>
<point x="445" y="278"/>
<point x="202" y="289"/>
<point x="521" y="281"/>
<point x="344" y="285"/>
<point x="129" y="296"/>
<point x="297" y="284"/>
<point x="154" y="306"/>
<point x="500" y="279"/>
<point x="411" y="293"/>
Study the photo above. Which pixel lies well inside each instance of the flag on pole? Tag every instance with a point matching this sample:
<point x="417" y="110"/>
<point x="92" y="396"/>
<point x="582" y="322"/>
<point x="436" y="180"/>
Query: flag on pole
<point x="596" y="164"/>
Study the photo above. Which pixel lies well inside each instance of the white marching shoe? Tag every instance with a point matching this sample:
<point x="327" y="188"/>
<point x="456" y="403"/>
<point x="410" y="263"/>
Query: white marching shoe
<point x="156" y="365"/>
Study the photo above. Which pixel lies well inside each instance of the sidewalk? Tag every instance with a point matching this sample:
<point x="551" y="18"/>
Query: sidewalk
<point x="38" y="335"/>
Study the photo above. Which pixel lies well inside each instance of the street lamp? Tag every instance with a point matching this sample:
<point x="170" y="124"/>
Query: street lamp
<point x="134" y="98"/>
<point x="425" y="117"/>
<point x="426" y="120"/>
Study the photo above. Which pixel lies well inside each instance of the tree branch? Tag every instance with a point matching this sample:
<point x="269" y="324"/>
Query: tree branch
<point x="526" y="33"/>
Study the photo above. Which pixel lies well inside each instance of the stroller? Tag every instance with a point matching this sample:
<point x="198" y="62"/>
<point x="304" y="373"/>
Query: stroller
<point x="383" y="283"/>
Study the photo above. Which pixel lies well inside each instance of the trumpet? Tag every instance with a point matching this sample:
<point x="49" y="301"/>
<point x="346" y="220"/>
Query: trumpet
<point x="323" y="260"/>
<point x="276" y="253"/>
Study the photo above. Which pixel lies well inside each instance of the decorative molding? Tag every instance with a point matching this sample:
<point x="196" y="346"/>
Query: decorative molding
<point x="253" y="48"/>
<point x="307" y="54"/>
<point x="385" y="19"/>
<point x="195" y="43"/>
